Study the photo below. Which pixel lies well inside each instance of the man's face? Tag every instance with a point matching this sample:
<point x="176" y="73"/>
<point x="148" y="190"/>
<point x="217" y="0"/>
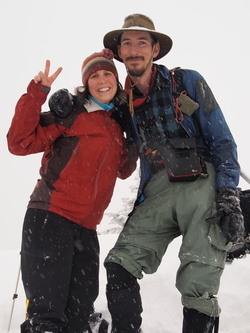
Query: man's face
<point x="137" y="51"/>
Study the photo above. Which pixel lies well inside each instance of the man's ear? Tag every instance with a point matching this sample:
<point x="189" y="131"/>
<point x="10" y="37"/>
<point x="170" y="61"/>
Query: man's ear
<point x="156" y="49"/>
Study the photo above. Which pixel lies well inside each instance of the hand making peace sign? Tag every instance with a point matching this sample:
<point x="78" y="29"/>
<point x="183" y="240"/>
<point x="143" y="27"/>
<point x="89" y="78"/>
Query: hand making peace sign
<point x="44" y="78"/>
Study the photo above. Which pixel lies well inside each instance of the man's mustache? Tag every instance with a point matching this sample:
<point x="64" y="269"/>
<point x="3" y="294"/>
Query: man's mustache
<point x="135" y="58"/>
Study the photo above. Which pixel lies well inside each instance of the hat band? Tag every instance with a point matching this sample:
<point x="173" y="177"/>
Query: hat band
<point x="137" y="27"/>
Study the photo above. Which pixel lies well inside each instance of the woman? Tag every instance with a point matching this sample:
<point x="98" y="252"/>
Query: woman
<point x="84" y="152"/>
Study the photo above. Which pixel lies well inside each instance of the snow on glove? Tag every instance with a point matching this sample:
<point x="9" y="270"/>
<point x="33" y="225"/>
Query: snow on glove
<point x="61" y="103"/>
<point x="231" y="218"/>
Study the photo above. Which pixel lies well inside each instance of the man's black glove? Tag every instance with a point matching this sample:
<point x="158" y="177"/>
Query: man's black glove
<point x="231" y="218"/>
<point x="238" y="251"/>
<point x="61" y="103"/>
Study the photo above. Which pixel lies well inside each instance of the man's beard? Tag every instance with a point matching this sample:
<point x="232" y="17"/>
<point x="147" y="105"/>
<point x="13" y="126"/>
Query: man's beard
<point x="136" y="72"/>
<point x="133" y="71"/>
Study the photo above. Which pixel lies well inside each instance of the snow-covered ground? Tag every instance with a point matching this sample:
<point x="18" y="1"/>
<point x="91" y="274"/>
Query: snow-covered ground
<point x="161" y="301"/>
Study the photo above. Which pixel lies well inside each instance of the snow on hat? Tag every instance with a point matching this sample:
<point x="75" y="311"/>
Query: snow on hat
<point x="96" y="62"/>
<point x="138" y="22"/>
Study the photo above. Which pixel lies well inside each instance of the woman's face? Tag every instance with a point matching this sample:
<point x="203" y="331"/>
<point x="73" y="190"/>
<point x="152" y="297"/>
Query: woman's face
<point x="102" y="86"/>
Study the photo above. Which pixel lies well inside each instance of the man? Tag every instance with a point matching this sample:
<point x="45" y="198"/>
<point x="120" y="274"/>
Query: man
<point x="199" y="203"/>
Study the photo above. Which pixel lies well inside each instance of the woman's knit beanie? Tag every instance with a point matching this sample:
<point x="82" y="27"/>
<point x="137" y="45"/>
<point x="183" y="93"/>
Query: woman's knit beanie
<point x="98" y="61"/>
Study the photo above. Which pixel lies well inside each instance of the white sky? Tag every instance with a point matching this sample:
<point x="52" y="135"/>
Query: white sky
<point x="211" y="37"/>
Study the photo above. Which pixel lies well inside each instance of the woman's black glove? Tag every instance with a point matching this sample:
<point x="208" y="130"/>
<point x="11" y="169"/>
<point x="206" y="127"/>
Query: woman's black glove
<point x="61" y="103"/>
<point x="231" y="218"/>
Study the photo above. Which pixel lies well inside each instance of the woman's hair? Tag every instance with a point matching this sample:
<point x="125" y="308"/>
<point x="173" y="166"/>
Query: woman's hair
<point x="120" y="97"/>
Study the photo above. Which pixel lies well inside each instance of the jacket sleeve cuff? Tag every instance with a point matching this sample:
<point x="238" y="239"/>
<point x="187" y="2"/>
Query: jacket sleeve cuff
<point x="45" y="89"/>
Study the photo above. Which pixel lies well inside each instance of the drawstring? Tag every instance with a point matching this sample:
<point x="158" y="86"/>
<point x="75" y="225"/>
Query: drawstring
<point x="178" y="113"/>
<point x="131" y="104"/>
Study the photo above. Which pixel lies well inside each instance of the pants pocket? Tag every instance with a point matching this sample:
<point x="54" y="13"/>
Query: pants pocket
<point x="217" y="239"/>
<point x="215" y="235"/>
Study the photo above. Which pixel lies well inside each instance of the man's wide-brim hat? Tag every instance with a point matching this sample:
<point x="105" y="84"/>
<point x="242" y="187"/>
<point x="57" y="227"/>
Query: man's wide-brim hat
<point x="137" y="22"/>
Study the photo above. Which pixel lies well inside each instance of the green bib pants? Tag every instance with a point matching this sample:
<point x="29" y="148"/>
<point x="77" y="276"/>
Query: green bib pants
<point x="171" y="210"/>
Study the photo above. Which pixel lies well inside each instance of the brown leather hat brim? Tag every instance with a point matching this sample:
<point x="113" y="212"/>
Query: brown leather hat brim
<point x="111" y="39"/>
